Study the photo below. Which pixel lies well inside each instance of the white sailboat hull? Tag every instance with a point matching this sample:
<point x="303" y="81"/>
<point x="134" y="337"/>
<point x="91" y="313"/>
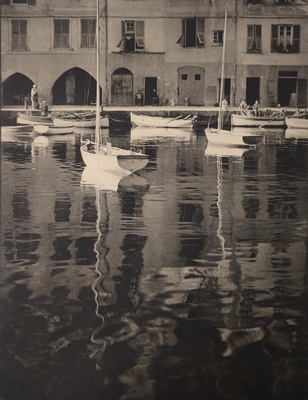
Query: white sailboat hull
<point x="82" y="123"/>
<point x="160" y="122"/>
<point x="29" y="119"/>
<point x="298" y="123"/>
<point x="253" y="121"/>
<point x="113" y="159"/>
<point x="229" y="138"/>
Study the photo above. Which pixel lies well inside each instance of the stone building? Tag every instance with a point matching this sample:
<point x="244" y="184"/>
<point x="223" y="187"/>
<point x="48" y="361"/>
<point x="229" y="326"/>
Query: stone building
<point x="172" y="46"/>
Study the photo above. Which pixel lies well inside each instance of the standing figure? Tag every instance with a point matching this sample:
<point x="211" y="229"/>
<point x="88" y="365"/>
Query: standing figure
<point x="224" y="104"/>
<point x="256" y="108"/>
<point x="139" y="98"/>
<point x="44" y="109"/>
<point x="154" y="98"/>
<point x="243" y="106"/>
<point x="34" y="98"/>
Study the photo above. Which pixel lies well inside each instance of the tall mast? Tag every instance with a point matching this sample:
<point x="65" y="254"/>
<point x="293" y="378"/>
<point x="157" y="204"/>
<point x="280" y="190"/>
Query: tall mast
<point x="222" y="79"/>
<point x="97" y="119"/>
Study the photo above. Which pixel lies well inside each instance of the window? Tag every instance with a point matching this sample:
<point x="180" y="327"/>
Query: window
<point x="19" y="34"/>
<point x="132" y="36"/>
<point x="19" y="1"/>
<point x="28" y="2"/>
<point x="192" y="33"/>
<point x="254" y="1"/>
<point x="88" y="33"/>
<point x="62" y="33"/>
<point x="285" y="38"/>
<point x="184" y="77"/>
<point x="197" y="77"/>
<point x="218" y="38"/>
<point x="254" y="38"/>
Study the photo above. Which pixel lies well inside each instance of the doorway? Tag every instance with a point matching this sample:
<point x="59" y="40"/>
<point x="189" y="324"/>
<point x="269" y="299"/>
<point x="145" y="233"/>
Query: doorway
<point x="252" y="90"/>
<point x="150" y="84"/>
<point x="122" y="87"/>
<point x="191" y="86"/>
<point x="286" y="87"/>
<point x="226" y="89"/>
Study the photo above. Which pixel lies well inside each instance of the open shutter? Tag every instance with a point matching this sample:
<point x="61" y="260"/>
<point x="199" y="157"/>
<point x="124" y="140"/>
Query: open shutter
<point x="200" y="32"/>
<point x="274" y="38"/>
<point x="139" y="35"/>
<point x="181" y="39"/>
<point x="249" y="37"/>
<point x="296" y="35"/>
<point x="84" y="36"/>
<point x="23" y="35"/>
<point x="122" y="41"/>
<point x="258" y="37"/>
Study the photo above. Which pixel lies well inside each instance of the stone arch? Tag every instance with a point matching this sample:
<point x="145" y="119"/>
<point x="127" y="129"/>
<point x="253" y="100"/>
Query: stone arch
<point x="15" y="88"/>
<point x="122" y="87"/>
<point x="75" y="86"/>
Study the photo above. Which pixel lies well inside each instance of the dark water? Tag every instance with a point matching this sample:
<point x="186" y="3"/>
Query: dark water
<point x="187" y="281"/>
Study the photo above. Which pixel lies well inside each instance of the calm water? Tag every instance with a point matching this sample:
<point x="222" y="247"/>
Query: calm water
<point x="186" y="281"/>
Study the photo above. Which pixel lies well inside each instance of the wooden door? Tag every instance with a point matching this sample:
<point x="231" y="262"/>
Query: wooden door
<point x="122" y="88"/>
<point x="191" y="85"/>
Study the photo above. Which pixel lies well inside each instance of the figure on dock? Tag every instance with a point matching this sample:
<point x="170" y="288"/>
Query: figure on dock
<point x="154" y="98"/>
<point x="44" y="109"/>
<point x="139" y="98"/>
<point x="34" y="98"/>
<point x="256" y="108"/>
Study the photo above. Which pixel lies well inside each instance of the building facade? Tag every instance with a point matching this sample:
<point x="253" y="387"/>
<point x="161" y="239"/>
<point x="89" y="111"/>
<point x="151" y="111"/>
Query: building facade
<point x="171" y="46"/>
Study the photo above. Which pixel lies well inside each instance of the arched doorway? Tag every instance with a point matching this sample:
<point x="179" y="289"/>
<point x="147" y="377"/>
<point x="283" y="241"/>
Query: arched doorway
<point x="191" y="86"/>
<point x="76" y="87"/>
<point x="15" y="88"/>
<point x="122" y="87"/>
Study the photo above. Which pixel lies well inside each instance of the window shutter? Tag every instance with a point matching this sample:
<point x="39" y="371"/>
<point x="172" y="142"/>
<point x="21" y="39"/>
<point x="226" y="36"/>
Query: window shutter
<point x="258" y="37"/>
<point x="5" y="2"/>
<point x="139" y="32"/>
<point x="274" y="38"/>
<point x="296" y="36"/>
<point x="181" y="39"/>
<point x="249" y="37"/>
<point x="200" y="31"/>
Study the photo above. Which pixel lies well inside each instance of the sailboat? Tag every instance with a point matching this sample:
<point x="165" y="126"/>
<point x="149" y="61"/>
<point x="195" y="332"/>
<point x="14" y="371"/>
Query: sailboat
<point x="221" y="136"/>
<point x="104" y="156"/>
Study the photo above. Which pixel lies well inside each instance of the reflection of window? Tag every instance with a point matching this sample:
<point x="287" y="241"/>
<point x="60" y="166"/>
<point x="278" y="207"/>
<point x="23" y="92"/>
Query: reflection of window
<point x="88" y="30"/>
<point x="192" y="33"/>
<point x="285" y="38"/>
<point x="218" y="38"/>
<point x="132" y="36"/>
<point x="184" y="77"/>
<point x="19" y="35"/>
<point x="253" y="38"/>
<point x="62" y="33"/>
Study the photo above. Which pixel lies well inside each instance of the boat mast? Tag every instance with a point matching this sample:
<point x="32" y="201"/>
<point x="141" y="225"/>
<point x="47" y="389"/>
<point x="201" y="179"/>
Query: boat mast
<point x="222" y="79"/>
<point x="97" y="119"/>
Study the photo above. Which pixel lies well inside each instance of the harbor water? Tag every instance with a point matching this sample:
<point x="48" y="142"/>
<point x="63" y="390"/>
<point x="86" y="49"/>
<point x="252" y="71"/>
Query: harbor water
<point x="185" y="281"/>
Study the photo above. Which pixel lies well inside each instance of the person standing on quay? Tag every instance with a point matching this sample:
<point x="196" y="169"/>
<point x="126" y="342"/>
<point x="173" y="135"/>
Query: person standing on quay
<point x="34" y="97"/>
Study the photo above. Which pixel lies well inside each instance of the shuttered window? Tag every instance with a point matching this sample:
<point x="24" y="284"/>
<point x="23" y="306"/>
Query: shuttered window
<point x="254" y="38"/>
<point x="61" y="30"/>
<point x="192" y="33"/>
<point x="132" y="36"/>
<point x="19" y="35"/>
<point x="285" y="38"/>
<point x="88" y="33"/>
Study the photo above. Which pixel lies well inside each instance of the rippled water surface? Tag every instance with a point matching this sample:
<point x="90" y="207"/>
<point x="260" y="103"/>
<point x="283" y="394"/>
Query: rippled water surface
<point x="186" y="281"/>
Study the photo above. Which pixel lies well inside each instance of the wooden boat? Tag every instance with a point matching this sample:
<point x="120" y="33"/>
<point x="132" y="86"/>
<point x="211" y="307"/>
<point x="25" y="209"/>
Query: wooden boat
<point x="270" y="121"/>
<point x="298" y="121"/>
<point x="106" y="157"/>
<point x="161" y="122"/>
<point x="22" y="128"/>
<point x="82" y="120"/>
<point x="221" y="136"/>
<point x="54" y="129"/>
<point x="29" y="119"/>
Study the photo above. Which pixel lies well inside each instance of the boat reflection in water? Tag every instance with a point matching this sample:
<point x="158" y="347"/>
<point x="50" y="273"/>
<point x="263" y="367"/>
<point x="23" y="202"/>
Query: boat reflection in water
<point x="145" y="134"/>
<point x="225" y="151"/>
<point x="295" y="133"/>
<point x="110" y="330"/>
